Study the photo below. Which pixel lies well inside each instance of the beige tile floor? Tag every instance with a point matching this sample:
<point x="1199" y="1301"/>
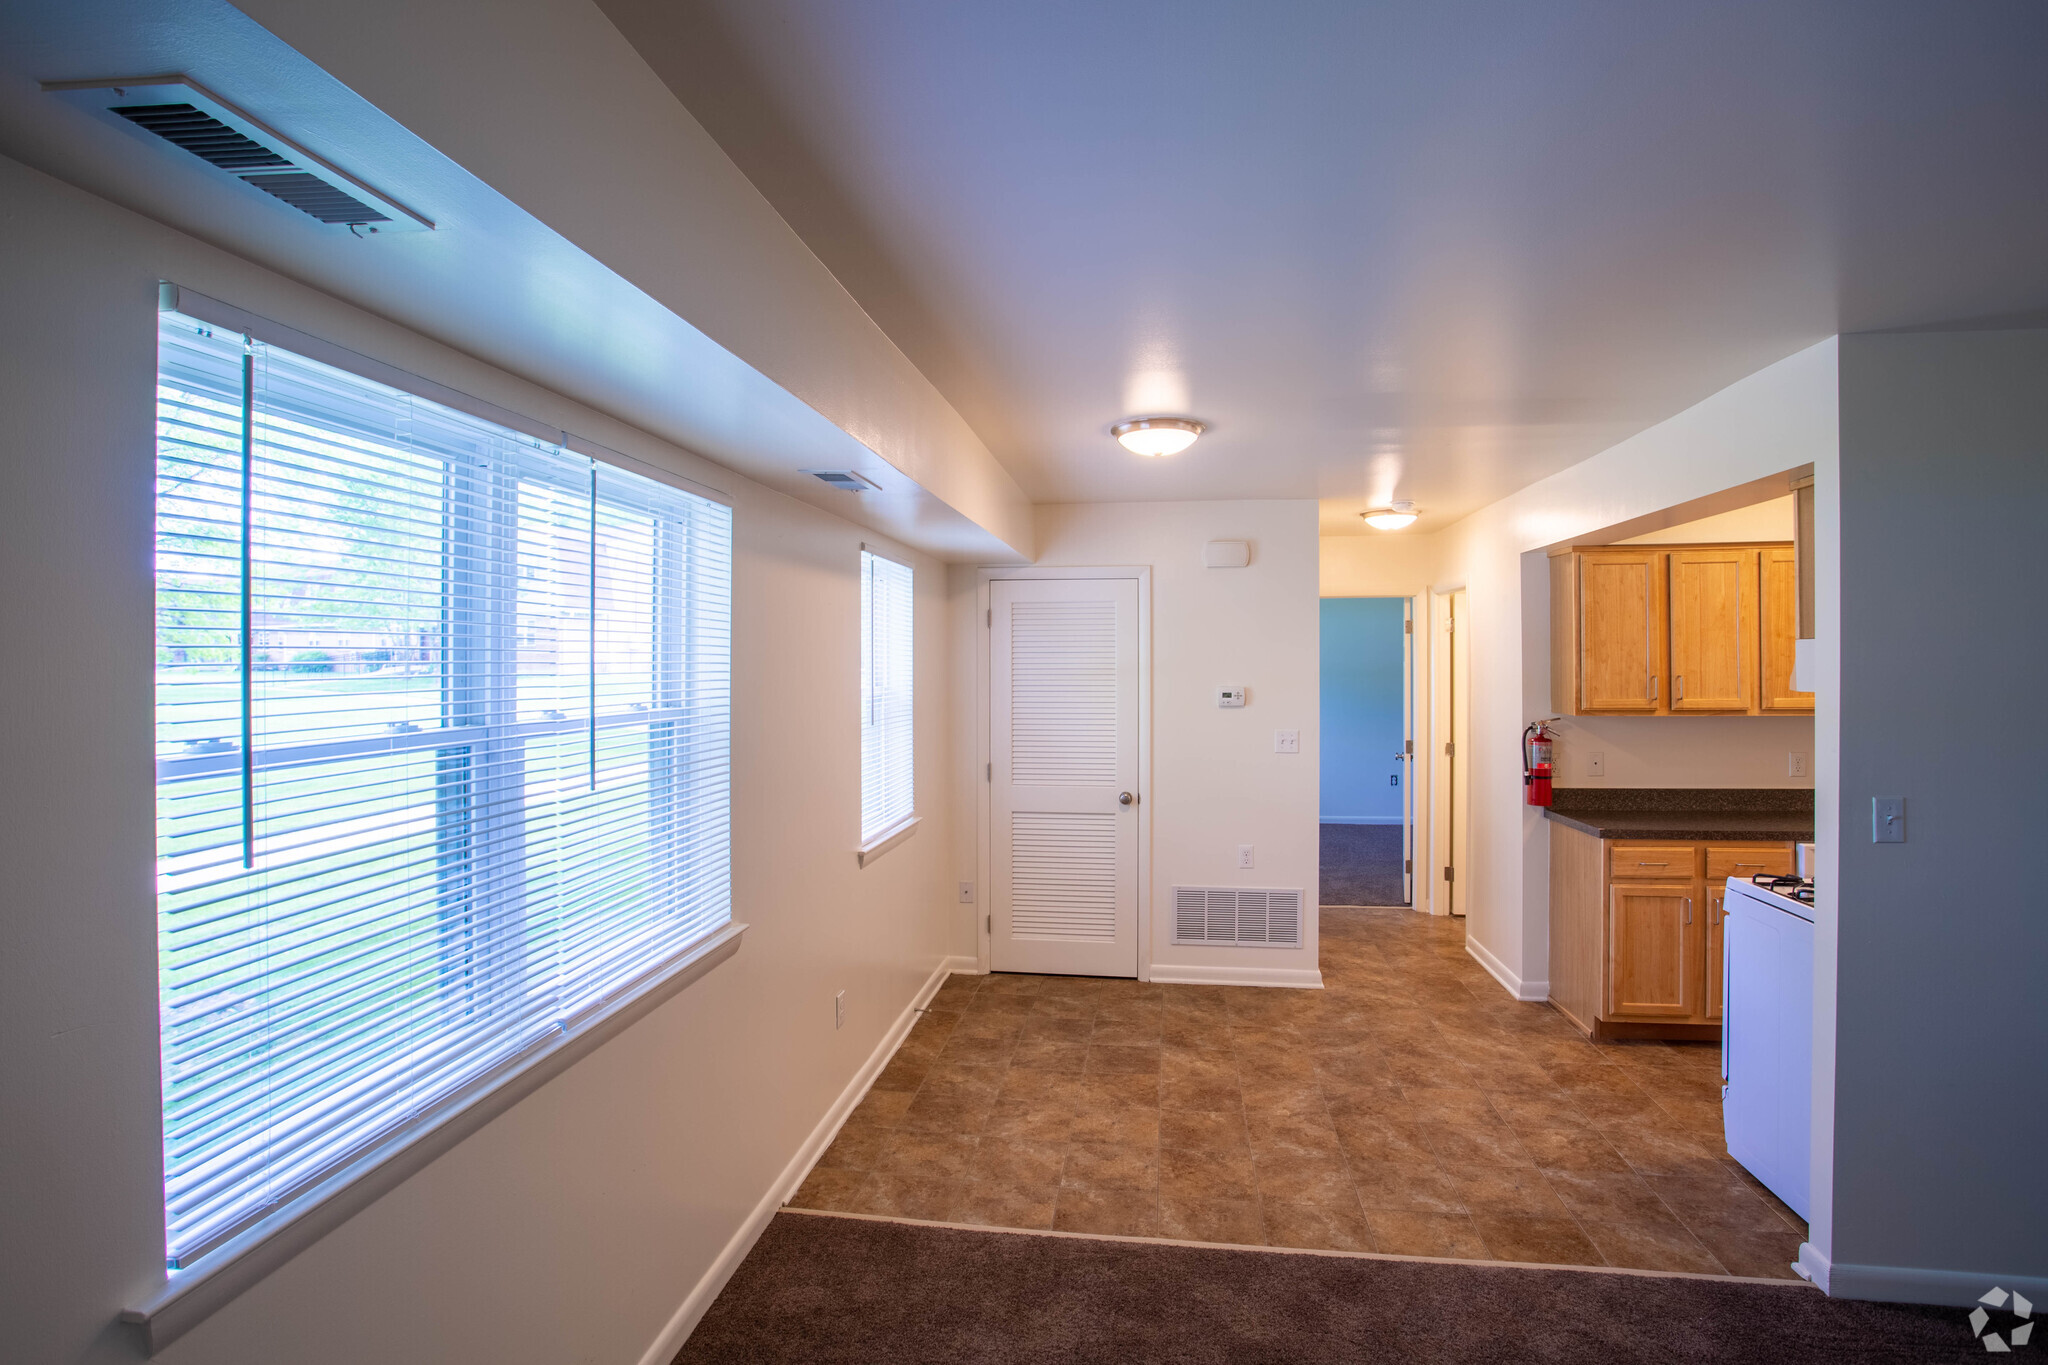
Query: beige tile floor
<point x="1411" y="1107"/>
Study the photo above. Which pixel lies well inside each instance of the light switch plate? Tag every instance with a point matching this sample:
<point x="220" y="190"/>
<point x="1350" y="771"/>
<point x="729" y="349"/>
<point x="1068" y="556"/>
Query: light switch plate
<point x="967" y="893"/>
<point x="1887" y="819"/>
<point x="1287" y="741"/>
<point x="1596" y="765"/>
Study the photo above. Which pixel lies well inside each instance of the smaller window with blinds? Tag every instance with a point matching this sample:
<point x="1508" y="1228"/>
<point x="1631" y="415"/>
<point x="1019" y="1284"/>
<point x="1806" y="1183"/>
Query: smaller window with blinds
<point x="888" y="803"/>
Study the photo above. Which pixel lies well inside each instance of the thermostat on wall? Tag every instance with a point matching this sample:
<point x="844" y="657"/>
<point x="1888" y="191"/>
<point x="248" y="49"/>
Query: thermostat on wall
<point x="1227" y="554"/>
<point x="1230" y="696"/>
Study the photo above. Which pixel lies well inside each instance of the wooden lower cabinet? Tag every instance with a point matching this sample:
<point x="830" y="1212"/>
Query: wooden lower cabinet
<point x="1717" y="934"/>
<point x="1653" y="951"/>
<point x="1636" y="931"/>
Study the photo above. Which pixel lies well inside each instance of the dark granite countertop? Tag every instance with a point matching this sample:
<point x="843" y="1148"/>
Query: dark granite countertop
<point x="1687" y="814"/>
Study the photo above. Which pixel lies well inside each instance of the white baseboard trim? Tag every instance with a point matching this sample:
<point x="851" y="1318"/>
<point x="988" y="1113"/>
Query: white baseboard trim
<point x="1200" y="974"/>
<point x="695" y="1304"/>
<point x="1518" y="988"/>
<point x="1906" y="1284"/>
<point x="1812" y="1265"/>
<point x="1360" y="820"/>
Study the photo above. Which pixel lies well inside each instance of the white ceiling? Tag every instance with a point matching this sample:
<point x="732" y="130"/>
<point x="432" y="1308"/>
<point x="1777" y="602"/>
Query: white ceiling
<point x="493" y="280"/>
<point x="1425" y="250"/>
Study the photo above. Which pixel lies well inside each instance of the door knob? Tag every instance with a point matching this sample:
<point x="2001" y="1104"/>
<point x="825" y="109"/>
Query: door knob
<point x="1126" y="799"/>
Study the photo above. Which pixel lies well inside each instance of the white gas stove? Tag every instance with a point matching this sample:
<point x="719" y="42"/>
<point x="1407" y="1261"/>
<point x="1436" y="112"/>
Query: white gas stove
<point x="1793" y="895"/>
<point x="1767" y="1031"/>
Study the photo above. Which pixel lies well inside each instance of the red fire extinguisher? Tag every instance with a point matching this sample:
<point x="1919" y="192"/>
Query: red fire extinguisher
<point x="1538" y="749"/>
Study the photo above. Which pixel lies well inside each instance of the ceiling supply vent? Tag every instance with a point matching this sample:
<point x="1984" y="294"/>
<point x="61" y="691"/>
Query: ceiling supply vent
<point x="190" y="117"/>
<point x="310" y="194"/>
<point x="203" y="135"/>
<point x="844" y="479"/>
<point x="1258" y="918"/>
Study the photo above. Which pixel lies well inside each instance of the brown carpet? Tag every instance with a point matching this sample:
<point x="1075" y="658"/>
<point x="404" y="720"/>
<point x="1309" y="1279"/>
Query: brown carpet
<point x="822" y="1289"/>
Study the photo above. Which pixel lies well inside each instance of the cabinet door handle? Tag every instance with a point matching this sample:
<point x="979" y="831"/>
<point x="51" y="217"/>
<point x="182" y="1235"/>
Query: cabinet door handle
<point x="1679" y="695"/>
<point x="1653" y="687"/>
<point x="1688" y="909"/>
<point x="1653" y="864"/>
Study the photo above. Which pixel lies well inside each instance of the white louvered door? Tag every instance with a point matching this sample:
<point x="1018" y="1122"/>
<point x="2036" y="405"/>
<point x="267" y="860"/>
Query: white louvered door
<point x="1064" y="746"/>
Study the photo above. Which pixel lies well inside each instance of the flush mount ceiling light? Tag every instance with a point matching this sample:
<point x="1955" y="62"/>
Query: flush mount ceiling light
<point x="1392" y="517"/>
<point x="1157" y="435"/>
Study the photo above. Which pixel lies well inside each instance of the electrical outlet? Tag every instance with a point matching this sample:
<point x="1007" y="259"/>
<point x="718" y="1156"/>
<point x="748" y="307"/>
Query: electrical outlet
<point x="1287" y="741"/>
<point x="1596" y="765"/>
<point x="1244" y="857"/>
<point x="967" y="893"/>
<point x="1887" y="819"/>
<point x="1795" y="763"/>
<point x="839" y="1010"/>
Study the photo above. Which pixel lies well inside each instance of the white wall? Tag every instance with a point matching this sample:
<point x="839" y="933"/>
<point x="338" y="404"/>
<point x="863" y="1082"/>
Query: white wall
<point x="571" y="1227"/>
<point x="1391" y="564"/>
<point x="1777" y="519"/>
<point x="1215" y="782"/>
<point x="1777" y="419"/>
<point x="550" y="105"/>
<point x="1937" y="1044"/>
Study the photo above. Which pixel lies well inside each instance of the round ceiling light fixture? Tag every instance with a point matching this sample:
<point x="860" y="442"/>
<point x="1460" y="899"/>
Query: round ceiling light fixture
<point x="1392" y="517"/>
<point x="1155" y="436"/>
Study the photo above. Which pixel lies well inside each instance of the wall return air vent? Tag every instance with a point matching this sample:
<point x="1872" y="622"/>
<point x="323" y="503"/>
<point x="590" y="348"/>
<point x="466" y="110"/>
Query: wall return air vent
<point x="190" y="117"/>
<point x="1241" y="915"/>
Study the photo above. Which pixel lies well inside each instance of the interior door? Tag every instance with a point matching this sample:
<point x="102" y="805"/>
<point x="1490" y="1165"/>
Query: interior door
<point x="1713" y="629"/>
<point x="1063" y="711"/>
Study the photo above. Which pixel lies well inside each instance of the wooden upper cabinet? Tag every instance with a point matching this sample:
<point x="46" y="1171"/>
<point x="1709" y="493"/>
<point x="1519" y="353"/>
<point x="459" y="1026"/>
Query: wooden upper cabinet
<point x="1780" y="630"/>
<point x="1620" y="630"/>
<point x="1660" y="630"/>
<point x="1713" y="630"/>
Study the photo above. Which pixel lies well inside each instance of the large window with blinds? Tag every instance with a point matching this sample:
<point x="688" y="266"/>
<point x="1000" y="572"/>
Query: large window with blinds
<point x="442" y="759"/>
<point x="887" y="786"/>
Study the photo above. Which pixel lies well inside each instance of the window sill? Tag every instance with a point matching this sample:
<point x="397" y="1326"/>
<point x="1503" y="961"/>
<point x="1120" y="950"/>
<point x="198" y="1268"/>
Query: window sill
<point x="189" y="1297"/>
<point x="886" y="840"/>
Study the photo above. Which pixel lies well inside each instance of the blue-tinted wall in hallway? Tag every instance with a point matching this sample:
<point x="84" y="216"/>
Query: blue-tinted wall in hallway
<point x="1361" y="708"/>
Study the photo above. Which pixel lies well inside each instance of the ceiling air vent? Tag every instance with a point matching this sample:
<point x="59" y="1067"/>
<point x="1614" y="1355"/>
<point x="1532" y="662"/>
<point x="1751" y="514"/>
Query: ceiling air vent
<point x="845" y="479"/>
<point x="188" y="116"/>
<point x="1237" y="914"/>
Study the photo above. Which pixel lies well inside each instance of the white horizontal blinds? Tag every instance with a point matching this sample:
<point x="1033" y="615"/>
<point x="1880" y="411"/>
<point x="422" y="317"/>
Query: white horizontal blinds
<point x="887" y="774"/>
<point x="449" y="770"/>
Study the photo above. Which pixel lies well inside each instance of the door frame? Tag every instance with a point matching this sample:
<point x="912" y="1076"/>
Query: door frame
<point x="1410" y="815"/>
<point x="1414" y="768"/>
<point x="984" y="755"/>
<point x="1450" y="706"/>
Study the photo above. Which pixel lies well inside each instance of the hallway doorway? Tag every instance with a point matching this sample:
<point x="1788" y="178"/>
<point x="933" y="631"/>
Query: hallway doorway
<point x="1367" y="808"/>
